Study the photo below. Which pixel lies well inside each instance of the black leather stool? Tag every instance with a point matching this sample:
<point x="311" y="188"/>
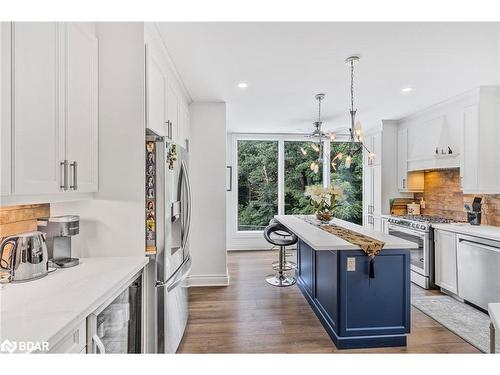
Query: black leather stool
<point x="279" y="235"/>
<point x="288" y="265"/>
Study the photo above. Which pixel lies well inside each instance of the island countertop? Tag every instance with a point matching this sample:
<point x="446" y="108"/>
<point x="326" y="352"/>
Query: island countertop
<point x="319" y="239"/>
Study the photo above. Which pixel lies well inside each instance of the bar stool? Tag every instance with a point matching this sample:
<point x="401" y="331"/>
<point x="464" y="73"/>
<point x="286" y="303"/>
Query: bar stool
<point x="288" y="265"/>
<point x="279" y="235"/>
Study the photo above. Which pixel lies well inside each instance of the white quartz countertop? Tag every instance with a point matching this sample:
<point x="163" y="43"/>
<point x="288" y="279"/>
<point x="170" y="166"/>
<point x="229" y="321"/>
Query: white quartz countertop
<point x="483" y="231"/>
<point x="494" y="313"/>
<point x="319" y="239"/>
<point x="48" y="308"/>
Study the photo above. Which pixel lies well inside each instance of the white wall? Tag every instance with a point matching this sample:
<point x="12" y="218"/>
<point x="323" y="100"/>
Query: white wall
<point x="113" y="223"/>
<point x="207" y="159"/>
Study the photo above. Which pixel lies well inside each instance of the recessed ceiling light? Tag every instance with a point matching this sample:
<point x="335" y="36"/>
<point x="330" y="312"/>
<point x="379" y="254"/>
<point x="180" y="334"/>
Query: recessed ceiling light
<point x="407" y="89"/>
<point x="242" y="85"/>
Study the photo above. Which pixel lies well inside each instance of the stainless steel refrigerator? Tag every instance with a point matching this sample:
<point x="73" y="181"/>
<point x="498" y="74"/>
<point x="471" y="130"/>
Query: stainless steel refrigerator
<point x="168" y="218"/>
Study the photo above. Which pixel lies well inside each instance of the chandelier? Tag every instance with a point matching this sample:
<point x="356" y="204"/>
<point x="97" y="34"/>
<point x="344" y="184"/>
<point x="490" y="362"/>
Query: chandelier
<point x="352" y="146"/>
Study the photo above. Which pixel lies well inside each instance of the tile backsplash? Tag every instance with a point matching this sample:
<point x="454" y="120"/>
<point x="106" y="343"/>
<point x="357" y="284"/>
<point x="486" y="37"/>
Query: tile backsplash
<point x="443" y="197"/>
<point x="18" y="219"/>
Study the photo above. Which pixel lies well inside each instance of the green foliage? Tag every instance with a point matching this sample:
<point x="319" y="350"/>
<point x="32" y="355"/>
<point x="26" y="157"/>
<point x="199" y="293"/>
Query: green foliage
<point x="351" y="182"/>
<point x="258" y="182"/>
<point x="298" y="175"/>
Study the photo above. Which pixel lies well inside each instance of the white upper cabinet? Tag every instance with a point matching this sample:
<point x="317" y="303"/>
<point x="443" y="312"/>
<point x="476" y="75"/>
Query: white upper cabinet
<point x="81" y="108"/>
<point x="166" y="114"/>
<point x="155" y="95"/>
<point x="183" y="134"/>
<point x="54" y="119"/>
<point x="166" y="102"/>
<point x="463" y="132"/>
<point x="480" y="157"/>
<point x="402" y="159"/>
<point x="37" y="116"/>
<point x="173" y="112"/>
<point x="5" y="108"/>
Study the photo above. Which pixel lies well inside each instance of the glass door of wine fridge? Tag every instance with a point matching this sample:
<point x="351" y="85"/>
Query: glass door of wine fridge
<point x="116" y="327"/>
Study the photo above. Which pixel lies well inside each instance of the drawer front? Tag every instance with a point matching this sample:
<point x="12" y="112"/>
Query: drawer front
<point x="73" y="342"/>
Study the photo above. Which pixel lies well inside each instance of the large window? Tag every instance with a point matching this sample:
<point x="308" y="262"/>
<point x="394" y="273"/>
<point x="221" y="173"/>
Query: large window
<point x="298" y="175"/>
<point x="351" y="182"/>
<point x="273" y="172"/>
<point x="257" y="184"/>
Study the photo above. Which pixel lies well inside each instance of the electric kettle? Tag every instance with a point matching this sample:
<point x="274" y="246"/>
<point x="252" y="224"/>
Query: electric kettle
<point x="26" y="258"/>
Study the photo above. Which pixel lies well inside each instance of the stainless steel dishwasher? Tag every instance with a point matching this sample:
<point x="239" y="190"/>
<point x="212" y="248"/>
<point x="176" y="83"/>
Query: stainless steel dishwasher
<point x="478" y="262"/>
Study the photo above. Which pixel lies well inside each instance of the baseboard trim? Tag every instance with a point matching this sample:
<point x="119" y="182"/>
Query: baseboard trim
<point x="208" y="280"/>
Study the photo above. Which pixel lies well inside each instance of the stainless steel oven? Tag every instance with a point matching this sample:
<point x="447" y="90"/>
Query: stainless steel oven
<point x="422" y="257"/>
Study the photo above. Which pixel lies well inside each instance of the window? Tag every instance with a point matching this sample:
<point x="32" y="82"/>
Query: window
<point x="298" y="175"/>
<point x="351" y="182"/>
<point x="257" y="184"/>
<point x="272" y="173"/>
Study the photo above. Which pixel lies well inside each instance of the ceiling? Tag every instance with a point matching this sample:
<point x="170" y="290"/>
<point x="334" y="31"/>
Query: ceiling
<point x="286" y="64"/>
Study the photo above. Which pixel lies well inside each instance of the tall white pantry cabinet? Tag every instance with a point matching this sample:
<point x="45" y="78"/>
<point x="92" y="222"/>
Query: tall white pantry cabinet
<point x="49" y="106"/>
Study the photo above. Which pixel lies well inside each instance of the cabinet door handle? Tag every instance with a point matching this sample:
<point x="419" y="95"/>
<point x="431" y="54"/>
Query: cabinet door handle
<point x="64" y="175"/>
<point x="74" y="166"/>
<point x="169" y="131"/>
<point x="404" y="183"/>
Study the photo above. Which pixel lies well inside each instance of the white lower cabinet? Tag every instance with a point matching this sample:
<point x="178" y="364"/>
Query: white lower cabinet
<point x="445" y="245"/>
<point x="73" y="342"/>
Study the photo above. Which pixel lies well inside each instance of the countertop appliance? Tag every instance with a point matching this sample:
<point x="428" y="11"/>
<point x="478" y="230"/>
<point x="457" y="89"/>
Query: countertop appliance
<point x="478" y="262"/>
<point x="116" y="327"/>
<point x="474" y="216"/>
<point x="418" y="229"/>
<point x="59" y="230"/>
<point x="24" y="256"/>
<point x="168" y="219"/>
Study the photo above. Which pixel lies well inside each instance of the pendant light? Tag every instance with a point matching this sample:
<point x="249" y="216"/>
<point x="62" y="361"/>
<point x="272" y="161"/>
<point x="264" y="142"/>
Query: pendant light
<point x="317" y="136"/>
<point x="355" y="142"/>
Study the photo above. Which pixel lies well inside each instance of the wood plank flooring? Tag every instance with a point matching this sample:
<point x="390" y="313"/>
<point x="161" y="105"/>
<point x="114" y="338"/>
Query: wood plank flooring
<point x="250" y="316"/>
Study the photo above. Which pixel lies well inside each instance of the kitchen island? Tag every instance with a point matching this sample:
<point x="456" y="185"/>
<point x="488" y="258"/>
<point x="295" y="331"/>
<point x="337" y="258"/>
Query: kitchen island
<point x="357" y="311"/>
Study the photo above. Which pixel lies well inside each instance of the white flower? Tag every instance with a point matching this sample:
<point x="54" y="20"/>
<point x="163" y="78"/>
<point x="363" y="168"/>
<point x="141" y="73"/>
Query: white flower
<point x="321" y="196"/>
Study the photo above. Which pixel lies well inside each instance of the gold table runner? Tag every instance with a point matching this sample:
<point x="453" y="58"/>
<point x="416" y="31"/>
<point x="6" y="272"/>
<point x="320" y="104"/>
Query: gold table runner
<point x="369" y="245"/>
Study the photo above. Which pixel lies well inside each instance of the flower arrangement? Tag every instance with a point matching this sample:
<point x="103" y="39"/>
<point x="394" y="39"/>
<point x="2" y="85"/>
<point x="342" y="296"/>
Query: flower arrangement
<point x="324" y="200"/>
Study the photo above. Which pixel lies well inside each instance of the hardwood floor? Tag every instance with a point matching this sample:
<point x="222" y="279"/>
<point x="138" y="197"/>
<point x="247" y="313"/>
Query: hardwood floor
<point x="250" y="316"/>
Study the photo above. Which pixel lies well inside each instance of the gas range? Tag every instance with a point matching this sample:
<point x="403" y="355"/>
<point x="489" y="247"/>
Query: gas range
<point x="418" y="229"/>
<point x="418" y="222"/>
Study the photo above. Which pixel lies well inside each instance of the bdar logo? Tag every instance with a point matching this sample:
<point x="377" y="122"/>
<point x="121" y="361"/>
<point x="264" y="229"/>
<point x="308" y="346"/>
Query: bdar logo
<point x="8" y="346"/>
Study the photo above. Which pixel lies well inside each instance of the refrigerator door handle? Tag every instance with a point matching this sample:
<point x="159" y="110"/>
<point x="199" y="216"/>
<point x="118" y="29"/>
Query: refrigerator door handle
<point x="187" y="224"/>
<point x="181" y="275"/>
<point x="178" y="277"/>
<point x="100" y="346"/>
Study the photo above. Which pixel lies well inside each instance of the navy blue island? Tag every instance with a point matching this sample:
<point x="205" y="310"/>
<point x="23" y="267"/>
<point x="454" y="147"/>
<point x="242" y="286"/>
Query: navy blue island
<point x="357" y="311"/>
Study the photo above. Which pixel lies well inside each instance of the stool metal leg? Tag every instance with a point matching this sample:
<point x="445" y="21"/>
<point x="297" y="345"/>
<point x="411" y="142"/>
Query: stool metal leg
<point x="280" y="278"/>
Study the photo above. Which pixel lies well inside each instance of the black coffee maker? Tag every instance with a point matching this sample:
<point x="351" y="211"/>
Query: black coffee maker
<point x="474" y="216"/>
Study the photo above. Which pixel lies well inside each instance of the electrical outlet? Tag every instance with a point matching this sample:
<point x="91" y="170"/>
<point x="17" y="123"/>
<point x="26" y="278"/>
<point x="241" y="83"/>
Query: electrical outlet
<point x="351" y="264"/>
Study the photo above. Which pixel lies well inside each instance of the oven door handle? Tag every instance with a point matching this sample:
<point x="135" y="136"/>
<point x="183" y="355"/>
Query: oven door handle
<point x="405" y="230"/>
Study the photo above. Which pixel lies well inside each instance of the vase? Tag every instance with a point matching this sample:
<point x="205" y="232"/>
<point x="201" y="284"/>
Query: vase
<point x="324" y="215"/>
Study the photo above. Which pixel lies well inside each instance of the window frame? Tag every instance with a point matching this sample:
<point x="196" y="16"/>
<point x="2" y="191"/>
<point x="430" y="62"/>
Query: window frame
<point x="281" y="139"/>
